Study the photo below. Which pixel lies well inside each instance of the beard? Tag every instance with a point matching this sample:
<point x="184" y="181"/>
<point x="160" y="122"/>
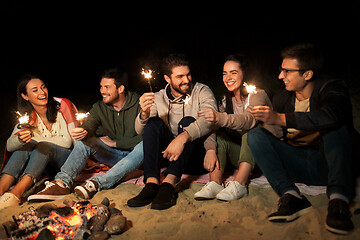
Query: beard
<point x="180" y="90"/>
<point x="110" y="99"/>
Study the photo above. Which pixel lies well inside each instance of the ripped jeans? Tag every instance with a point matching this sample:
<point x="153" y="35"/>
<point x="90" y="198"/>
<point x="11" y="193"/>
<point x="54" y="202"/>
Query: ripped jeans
<point x="35" y="158"/>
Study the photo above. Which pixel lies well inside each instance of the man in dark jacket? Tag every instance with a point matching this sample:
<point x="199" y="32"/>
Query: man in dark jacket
<point x="316" y="116"/>
<point x="108" y="135"/>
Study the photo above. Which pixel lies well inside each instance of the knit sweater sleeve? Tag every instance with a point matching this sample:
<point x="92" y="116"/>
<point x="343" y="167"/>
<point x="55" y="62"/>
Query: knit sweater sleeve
<point x="13" y="143"/>
<point x="140" y="123"/>
<point x="244" y="122"/>
<point x="201" y="126"/>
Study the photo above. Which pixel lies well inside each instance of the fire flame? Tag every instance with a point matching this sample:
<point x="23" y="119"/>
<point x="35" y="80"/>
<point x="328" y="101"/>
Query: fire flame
<point x="66" y="226"/>
<point x="62" y="227"/>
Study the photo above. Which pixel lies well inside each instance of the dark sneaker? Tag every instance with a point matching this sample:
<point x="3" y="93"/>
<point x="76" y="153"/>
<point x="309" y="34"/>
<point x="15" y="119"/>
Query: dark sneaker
<point x="145" y="197"/>
<point x="290" y="208"/>
<point x="165" y="198"/>
<point x="52" y="191"/>
<point x="87" y="190"/>
<point x="338" y="219"/>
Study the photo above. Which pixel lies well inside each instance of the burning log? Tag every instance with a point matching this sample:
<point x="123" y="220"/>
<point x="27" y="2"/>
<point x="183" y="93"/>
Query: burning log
<point x="45" y="234"/>
<point x="72" y="221"/>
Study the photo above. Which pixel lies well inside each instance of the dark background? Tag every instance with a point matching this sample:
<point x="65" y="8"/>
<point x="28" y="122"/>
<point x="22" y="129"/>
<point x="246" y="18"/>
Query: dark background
<point x="69" y="44"/>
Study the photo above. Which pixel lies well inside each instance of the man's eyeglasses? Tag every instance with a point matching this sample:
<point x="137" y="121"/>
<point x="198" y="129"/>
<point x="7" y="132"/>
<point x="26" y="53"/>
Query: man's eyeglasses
<point x="286" y="70"/>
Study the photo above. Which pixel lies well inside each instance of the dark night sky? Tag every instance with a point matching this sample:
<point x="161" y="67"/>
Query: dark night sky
<point x="69" y="44"/>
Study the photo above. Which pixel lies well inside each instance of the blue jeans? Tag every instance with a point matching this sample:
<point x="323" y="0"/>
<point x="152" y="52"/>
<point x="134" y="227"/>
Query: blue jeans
<point x="121" y="162"/>
<point x="34" y="158"/>
<point x="283" y="164"/>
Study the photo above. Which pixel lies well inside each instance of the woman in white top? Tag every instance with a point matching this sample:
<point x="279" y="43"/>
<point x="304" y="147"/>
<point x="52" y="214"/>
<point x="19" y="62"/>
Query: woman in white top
<point x="44" y="141"/>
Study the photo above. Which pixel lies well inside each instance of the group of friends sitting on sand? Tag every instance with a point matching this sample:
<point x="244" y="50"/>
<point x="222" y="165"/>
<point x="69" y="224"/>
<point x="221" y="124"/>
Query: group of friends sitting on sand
<point x="304" y="135"/>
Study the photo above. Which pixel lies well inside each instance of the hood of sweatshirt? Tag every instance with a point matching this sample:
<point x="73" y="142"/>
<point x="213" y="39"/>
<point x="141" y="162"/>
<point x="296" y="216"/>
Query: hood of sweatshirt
<point x="132" y="98"/>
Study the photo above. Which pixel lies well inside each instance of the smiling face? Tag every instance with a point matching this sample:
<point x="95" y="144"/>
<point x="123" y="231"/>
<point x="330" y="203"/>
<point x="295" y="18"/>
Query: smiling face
<point x="179" y="80"/>
<point x="294" y="80"/>
<point x="232" y="76"/>
<point x="36" y="92"/>
<point x="108" y="90"/>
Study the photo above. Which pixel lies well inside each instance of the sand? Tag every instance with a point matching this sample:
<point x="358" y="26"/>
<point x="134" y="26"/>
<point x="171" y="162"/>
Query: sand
<point x="213" y="219"/>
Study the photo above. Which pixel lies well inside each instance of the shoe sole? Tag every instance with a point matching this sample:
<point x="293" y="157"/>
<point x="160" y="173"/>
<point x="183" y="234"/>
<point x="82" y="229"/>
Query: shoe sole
<point x="161" y="206"/>
<point x="336" y="231"/>
<point x="228" y="200"/>
<point x="138" y="204"/>
<point x="81" y="192"/>
<point x="289" y="218"/>
<point x="203" y="198"/>
<point x="45" y="198"/>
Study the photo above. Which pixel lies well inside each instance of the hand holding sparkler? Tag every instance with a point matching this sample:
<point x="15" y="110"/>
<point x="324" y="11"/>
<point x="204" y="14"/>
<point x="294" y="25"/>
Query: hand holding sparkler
<point x="79" y="133"/>
<point x="25" y="134"/>
<point x="267" y="115"/>
<point x="147" y="76"/>
<point x="146" y="101"/>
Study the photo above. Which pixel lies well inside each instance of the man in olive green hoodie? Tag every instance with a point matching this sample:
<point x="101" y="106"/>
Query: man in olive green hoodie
<point x="108" y="135"/>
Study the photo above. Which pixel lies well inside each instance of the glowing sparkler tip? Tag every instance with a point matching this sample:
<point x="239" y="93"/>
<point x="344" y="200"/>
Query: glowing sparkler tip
<point x="147" y="73"/>
<point x="81" y="116"/>
<point x="23" y="119"/>
<point x="250" y="88"/>
<point x="187" y="99"/>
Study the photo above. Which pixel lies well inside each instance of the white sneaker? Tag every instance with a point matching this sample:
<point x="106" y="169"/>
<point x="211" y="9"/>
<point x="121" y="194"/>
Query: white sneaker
<point x="208" y="191"/>
<point x="8" y="199"/>
<point x="233" y="191"/>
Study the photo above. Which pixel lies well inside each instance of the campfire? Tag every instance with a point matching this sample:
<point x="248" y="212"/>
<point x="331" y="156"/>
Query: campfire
<point x="80" y="220"/>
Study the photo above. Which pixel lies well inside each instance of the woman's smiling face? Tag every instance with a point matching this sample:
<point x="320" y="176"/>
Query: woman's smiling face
<point x="36" y="92"/>
<point x="232" y="76"/>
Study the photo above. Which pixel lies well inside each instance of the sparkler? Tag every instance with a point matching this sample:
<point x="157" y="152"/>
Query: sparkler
<point x="187" y="99"/>
<point x="147" y="76"/>
<point x="81" y="116"/>
<point x="250" y="89"/>
<point x="23" y="120"/>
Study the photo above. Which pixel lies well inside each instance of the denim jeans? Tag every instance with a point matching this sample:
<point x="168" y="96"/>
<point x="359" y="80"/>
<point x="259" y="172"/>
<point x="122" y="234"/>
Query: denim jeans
<point x="283" y="164"/>
<point x="34" y="158"/>
<point x="157" y="137"/>
<point x="121" y="162"/>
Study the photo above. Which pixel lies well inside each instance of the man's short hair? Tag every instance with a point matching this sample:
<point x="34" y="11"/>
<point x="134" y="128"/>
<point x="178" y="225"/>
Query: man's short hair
<point x="173" y="60"/>
<point x="120" y="77"/>
<point x="308" y="57"/>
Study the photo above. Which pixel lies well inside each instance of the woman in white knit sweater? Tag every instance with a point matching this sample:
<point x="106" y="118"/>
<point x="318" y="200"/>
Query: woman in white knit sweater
<point x="44" y="141"/>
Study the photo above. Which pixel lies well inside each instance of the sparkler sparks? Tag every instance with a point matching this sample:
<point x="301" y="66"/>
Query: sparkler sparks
<point x="187" y="99"/>
<point x="23" y="119"/>
<point x="81" y="116"/>
<point x="251" y="89"/>
<point x="147" y="76"/>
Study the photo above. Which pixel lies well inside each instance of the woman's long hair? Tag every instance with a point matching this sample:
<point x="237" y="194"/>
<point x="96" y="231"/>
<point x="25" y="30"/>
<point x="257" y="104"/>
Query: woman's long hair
<point x="26" y="107"/>
<point x="244" y="66"/>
